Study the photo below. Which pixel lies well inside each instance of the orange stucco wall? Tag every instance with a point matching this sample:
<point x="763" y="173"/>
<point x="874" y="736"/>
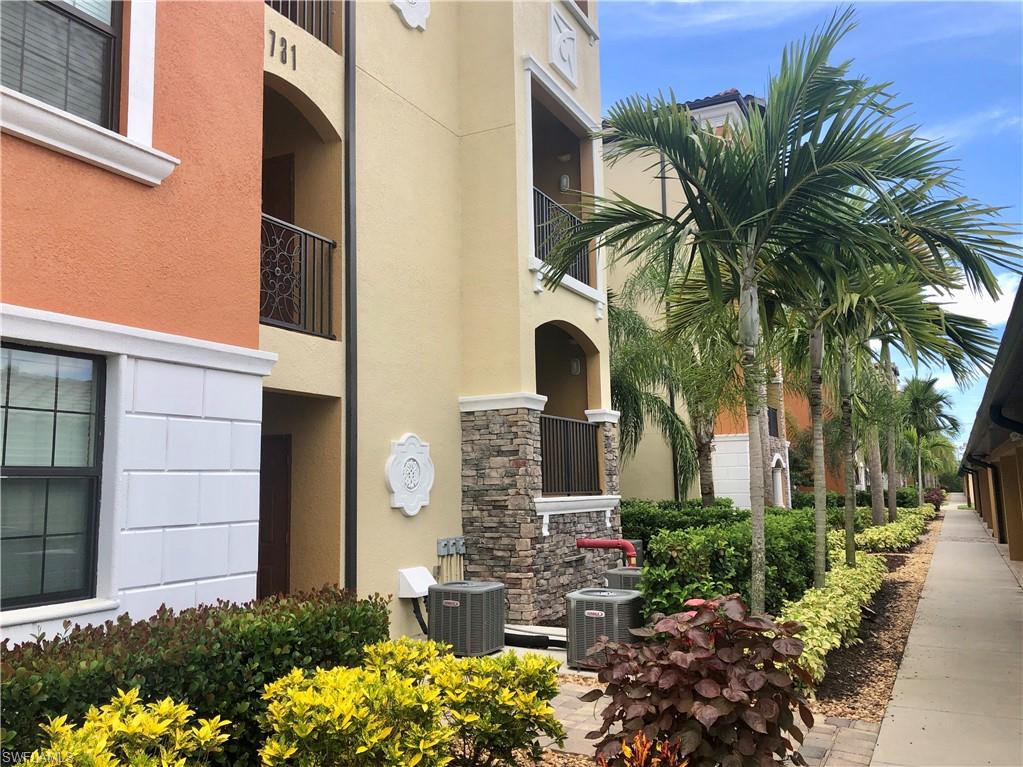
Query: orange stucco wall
<point x="182" y="257"/>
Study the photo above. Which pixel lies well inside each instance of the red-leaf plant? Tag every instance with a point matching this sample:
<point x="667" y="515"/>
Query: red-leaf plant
<point x="714" y="681"/>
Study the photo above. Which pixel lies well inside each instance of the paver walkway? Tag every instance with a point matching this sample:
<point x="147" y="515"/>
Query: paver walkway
<point x="958" y="697"/>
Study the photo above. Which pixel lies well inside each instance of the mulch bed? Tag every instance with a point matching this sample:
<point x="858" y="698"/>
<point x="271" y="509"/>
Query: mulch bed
<point x="859" y="679"/>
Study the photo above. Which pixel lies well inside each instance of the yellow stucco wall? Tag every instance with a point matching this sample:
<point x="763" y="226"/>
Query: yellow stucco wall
<point x="446" y="301"/>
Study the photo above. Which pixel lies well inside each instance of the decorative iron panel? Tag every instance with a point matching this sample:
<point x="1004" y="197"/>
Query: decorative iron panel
<point x="295" y="278"/>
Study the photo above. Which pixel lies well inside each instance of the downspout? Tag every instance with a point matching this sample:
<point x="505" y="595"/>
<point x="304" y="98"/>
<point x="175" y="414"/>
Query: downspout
<point x="999" y="504"/>
<point x="671" y="391"/>
<point x="351" y="516"/>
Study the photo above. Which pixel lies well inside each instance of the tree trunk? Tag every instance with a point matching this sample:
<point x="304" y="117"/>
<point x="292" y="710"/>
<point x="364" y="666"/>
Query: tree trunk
<point x="765" y="442"/>
<point x="876" y="487"/>
<point x="703" y="434"/>
<point x="850" y="457"/>
<point x="919" y="467"/>
<point x="749" y="337"/>
<point x="893" y="435"/>
<point x="820" y="486"/>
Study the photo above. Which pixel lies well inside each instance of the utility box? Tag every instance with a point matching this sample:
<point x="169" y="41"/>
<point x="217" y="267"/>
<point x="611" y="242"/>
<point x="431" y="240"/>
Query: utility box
<point x="623" y="578"/>
<point x="468" y="615"/>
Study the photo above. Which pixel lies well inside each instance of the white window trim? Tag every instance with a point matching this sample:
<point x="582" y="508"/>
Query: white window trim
<point x="582" y="20"/>
<point x="534" y="70"/>
<point x="45" y="125"/>
<point x="131" y="156"/>
<point x="54" y="612"/>
<point x="64" y="331"/>
<point x="574" y="504"/>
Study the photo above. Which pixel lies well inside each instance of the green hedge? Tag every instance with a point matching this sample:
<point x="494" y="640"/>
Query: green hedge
<point x="644" y="519"/>
<point x="217" y="658"/>
<point x="906" y="497"/>
<point x="715" y="559"/>
<point x="832" y="614"/>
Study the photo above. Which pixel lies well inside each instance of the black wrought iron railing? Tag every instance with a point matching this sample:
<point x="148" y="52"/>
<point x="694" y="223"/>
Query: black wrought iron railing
<point x="295" y="278"/>
<point x="314" y="16"/>
<point x="553" y="224"/>
<point x="569" y="460"/>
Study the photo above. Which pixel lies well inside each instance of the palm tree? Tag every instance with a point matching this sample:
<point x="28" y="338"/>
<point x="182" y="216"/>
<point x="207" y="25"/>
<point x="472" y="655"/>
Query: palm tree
<point x="642" y="369"/>
<point x="927" y="413"/>
<point x="765" y="196"/>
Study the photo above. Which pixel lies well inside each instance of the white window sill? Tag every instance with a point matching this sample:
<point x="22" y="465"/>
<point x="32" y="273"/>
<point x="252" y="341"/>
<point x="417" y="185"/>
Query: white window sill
<point x="538" y="268"/>
<point x="575" y="504"/>
<point x="32" y="120"/>
<point x="582" y="19"/>
<point x="59" y="611"/>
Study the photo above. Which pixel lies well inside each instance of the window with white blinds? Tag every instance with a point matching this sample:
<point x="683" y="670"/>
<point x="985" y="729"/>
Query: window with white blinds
<point x="64" y="54"/>
<point x="51" y="419"/>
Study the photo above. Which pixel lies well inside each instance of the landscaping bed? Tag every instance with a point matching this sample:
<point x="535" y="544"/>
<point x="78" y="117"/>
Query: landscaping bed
<point x="859" y="679"/>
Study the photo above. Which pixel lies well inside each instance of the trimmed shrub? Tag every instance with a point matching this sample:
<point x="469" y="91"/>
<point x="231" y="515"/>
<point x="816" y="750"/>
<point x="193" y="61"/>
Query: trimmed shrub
<point x="713" y="681"/>
<point x="935" y="496"/>
<point x="832" y="614"/>
<point x="907" y="498"/>
<point x="414" y="703"/>
<point x="215" y="658"/>
<point x="804" y="500"/>
<point x="713" y="560"/>
<point x="644" y="519"/>
<point x="862" y="519"/>
<point x="895" y="536"/>
<point x="125" y="731"/>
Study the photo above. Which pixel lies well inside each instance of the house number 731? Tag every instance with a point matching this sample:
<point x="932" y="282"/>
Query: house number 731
<point x="279" y="48"/>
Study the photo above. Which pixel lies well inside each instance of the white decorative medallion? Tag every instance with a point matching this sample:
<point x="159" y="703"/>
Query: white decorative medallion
<point x="413" y="12"/>
<point x="563" y="50"/>
<point x="409" y="474"/>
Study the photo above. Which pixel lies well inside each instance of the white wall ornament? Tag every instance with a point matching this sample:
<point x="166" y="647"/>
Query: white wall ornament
<point x="409" y="474"/>
<point x="563" y="45"/>
<point x="413" y="12"/>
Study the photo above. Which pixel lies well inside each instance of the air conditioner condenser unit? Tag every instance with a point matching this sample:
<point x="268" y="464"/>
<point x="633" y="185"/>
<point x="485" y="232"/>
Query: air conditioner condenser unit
<point x="623" y="578"/>
<point x="468" y="615"/>
<point x="593" y="613"/>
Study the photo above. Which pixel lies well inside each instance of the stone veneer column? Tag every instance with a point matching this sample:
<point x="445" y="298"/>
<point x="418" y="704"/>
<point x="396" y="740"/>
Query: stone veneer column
<point x="507" y="537"/>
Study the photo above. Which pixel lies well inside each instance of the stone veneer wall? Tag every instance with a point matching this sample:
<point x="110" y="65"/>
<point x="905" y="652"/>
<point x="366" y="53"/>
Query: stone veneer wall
<point x="504" y="538"/>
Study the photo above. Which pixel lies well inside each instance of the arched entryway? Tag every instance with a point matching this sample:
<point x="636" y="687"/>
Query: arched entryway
<point x="778" y="479"/>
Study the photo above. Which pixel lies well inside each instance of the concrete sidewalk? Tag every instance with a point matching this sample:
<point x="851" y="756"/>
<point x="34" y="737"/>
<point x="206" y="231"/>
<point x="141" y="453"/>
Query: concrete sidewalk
<point x="958" y="697"/>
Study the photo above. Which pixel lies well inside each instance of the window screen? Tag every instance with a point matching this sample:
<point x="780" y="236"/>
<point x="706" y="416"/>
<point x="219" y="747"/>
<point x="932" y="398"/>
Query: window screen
<point x="63" y="53"/>
<point x="50" y="437"/>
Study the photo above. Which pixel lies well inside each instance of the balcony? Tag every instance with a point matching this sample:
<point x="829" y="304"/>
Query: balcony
<point x="568" y="450"/>
<point x="295" y="278"/>
<point x="553" y="224"/>
<point x="314" y="16"/>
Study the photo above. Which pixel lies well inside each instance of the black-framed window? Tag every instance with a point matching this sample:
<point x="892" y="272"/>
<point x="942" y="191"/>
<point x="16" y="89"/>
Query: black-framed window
<point x="65" y="53"/>
<point x="772" y="422"/>
<point x="51" y="441"/>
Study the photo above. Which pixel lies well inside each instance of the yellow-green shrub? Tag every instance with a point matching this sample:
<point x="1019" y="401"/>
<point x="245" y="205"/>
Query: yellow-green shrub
<point x="497" y="704"/>
<point x="894" y="536"/>
<point x="353" y="717"/>
<point x="831" y="614"/>
<point x="128" y="732"/>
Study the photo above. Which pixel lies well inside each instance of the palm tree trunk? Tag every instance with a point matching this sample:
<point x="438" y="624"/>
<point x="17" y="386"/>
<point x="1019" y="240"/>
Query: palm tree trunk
<point x="919" y="467"/>
<point x="749" y="337"/>
<point x="703" y="435"/>
<point x="850" y="457"/>
<point x="876" y="488"/>
<point x="765" y="442"/>
<point x="820" y="488"/>
<point x="893" y="435"/>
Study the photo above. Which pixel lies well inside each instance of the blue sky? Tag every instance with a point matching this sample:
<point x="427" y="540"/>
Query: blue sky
<point x="958" y="64"/>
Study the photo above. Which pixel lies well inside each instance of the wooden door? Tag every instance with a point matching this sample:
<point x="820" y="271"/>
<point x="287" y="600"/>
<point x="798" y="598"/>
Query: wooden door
<point x="274" y="516"/>
<point x="279" y="187"/>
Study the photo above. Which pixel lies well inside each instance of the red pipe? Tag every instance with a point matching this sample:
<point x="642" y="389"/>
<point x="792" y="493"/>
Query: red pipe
<point x="609" y="543"/>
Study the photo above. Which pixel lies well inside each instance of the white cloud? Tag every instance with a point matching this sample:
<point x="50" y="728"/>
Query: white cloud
<point x="994" y="311"/>
<point x="985" y="124"/>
